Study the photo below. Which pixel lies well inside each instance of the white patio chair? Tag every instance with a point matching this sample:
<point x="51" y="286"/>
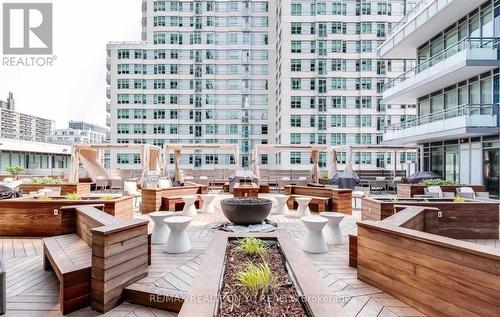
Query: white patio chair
<point x="302" y="181"/>
<point x="437" y="192"/>
<point x="164" y="183"/>
<point x="283" y="182"/>
<point x="203" y="180"/>
<point x="101" y="182"/>
<point x="359" y="193"/>
<point x="130" y="189"/>
<point x="116" y="183"/>
<point x="8" y="179"/>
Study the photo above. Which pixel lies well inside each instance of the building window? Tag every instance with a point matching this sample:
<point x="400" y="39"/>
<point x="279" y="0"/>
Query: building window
<point x="296" y="28"/>
<point x="295" y="157"/>
<point x="295" y="102"/>
<point x="295" y="138"/>
<point x="295" y="83"/>
<point x="296" y="9"/>
<point x="296" y="47"/>
<point x="295" y="121"/>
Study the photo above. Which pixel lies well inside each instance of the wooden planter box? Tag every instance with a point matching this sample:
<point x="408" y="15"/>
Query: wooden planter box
<point x="153" y="198"/>
<point x="403" y="256"/>
<point x="30" y="217"/>
<point x="410" y="190"/>
<point x="81" y="189"/>
<point x="206" y="286"/>
<point x="481" y="216"/>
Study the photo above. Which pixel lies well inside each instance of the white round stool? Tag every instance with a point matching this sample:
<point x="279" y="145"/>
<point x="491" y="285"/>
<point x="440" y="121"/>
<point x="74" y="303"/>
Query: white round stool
<point x="178" y="239"/>
<point x="314" y="242"/>
<point x="160" y="229"/>
<point x="331" y="231"/>
<point x="189" y="207"/>
<point x="281" y="206"/>
<point x="208" y="203"/>
<point x="303" y="208"/>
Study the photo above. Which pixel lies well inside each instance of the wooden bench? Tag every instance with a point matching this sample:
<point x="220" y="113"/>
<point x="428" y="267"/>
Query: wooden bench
<point x="102" y="256"/>
<point x="154" y="199"/>
<point x="323" y="199"/>
<point x="71" y="259"/>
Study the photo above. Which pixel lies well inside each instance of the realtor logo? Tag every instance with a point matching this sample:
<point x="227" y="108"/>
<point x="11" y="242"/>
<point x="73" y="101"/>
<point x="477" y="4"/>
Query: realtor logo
<point x="27" y="28"/>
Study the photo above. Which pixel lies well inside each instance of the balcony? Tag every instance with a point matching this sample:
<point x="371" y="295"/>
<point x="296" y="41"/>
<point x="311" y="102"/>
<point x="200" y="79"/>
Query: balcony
<point x="421" y="23"/>
<point x="108" y="121"/>
<point x="463" y="121"/>
<point x="108" y="92"/>
<point x="465" y="59"/>
<point x="108" y="78"/>
<point x="108" y="107"/>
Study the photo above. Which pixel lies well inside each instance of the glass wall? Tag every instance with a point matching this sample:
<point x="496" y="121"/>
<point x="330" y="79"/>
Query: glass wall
<point x="477" y="24"/>
<point x="478" y="90"/>
<point x="33" y="160"/>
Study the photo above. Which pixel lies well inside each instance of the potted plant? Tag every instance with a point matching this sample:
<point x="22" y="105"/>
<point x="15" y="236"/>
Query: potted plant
<point x="15" y="170"/>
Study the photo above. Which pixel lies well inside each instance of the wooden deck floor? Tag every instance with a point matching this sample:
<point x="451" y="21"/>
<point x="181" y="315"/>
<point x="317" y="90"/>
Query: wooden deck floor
<point x="33" y="292"/>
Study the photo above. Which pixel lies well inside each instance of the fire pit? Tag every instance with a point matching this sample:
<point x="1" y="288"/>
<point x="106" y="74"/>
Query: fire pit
<point x="246" y="211"/>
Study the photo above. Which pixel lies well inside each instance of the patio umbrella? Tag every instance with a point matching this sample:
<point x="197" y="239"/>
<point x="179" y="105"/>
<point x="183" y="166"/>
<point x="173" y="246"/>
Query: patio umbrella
<point x="75" y="164"/>
<point x="177" y="161"/>
<point x="423" y="175"/>
<point x="145" y="157"/>
<point x="332" y="168"/>
<point x="314" y="174"/>
<point x="255" y="163"/>
<point x="348" y="165"/>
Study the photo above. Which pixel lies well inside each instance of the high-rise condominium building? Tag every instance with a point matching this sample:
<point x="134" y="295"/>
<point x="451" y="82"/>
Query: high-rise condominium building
<point x="202" y="75"/>
<point x="330" y="79"/>
<point x="456" y="86"/>
<point x="22" y="126"/>
<point x="79" y="132"/>
<point x="255" y="72"/>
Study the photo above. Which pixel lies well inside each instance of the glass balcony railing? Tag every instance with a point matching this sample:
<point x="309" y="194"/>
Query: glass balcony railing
<point x="396" y="27"/>
<point x="468" y="110"/>
<point x="467" y="43"/>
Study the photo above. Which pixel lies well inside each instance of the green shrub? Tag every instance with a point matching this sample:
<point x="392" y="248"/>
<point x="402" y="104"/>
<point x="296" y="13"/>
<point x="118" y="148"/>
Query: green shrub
<point x="252" y="246"/>
<point x="437" y="182"/>
<point x="107" y="197"/>
<point x="46" y="180"/>
<point x="14" y="170"/>
<point x="72" y="196"/>
<point x="257" y="280"/>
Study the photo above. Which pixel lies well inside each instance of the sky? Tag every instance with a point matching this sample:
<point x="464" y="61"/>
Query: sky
<point x="74" y="88"/>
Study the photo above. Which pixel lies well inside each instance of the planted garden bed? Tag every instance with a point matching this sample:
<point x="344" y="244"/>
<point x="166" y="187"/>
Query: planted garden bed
<point x="265" y="276"/>
<point x="40" y="217"/>
<point x="81" y="189"/>
<point x="410" y="190"/>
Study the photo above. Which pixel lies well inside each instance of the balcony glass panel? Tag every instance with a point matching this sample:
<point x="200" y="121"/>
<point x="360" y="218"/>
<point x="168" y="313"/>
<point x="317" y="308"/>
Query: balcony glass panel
<point x="440" y="55"/>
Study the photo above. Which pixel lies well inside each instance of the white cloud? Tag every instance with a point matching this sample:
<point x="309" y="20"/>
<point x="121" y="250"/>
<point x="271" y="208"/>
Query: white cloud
<point x="75" y="87"/>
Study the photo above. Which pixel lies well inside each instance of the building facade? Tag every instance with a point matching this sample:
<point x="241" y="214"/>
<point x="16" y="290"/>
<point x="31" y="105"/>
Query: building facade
<point x="456" y="86"/>
<point x="330" y="80"/>
<point x="256" y="72"/>
<point x="79" y="132"/>
<point x="21" y="126"/>
<point x="36" y="157"/>
<point x="202" y="75"/>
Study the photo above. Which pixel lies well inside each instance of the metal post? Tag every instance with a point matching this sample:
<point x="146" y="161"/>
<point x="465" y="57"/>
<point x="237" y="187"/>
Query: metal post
<point x="3" y="288"/>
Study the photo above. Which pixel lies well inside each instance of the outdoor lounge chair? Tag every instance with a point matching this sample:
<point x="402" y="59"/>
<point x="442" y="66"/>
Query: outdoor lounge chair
<point x="378" y="184"/>
<point x="164" y="183"/>
<point x="116" y="183"/>
<point x="302" y="181"/>
<point x="469" y="193"/>
<point x="393" y="185"/>
<point x="283" y="182"/>
<point x="436" y="192"/>
<point x="130" y="189"/>
<point x="101" y="182"/>
<point x="360" y="193"/>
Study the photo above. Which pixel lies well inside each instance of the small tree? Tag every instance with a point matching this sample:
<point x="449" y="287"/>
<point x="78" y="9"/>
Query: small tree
<point x="14" y="170"/>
